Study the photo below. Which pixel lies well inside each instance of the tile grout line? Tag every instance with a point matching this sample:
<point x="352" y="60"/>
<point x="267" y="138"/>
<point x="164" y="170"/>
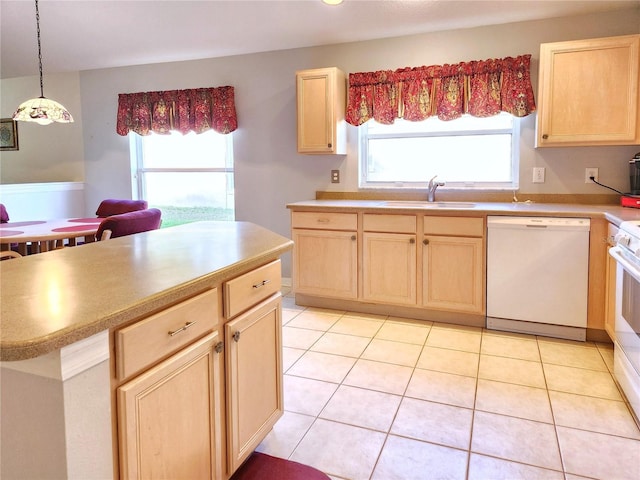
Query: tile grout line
<point x="553" y="414"/>
<point x="475" y="402"/>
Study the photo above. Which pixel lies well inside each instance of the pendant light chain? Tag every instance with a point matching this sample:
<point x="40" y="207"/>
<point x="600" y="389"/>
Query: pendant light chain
<point x="39" y="50"/>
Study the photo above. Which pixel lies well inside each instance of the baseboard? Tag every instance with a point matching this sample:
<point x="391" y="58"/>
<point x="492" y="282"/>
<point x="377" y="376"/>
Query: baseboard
<point x="416" y="313"/>
<point x="598" y="336"/>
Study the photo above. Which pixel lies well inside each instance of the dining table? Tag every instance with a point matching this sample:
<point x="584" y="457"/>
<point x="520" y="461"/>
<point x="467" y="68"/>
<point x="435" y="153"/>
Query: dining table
<point x="37" y="236"/>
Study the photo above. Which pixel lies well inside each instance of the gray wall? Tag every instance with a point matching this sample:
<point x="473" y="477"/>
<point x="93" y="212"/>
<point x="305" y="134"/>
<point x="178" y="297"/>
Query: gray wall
<point x="270" y="173"/>
<point x="47" y="153"/>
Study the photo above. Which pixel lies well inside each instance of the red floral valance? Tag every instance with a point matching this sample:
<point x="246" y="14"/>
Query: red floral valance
<point x="197" y="110"/>
<point x="479" y="88"/>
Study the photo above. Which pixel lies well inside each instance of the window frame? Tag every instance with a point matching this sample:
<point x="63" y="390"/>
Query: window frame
<point x="363" y="151"/>
<point x="136" y="153"/>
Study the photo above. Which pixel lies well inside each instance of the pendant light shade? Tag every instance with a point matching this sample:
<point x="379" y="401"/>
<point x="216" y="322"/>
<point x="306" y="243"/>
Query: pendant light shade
<point x="41" y="110"/>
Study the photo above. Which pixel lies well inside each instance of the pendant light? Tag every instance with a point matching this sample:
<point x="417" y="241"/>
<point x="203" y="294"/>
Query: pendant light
<point x="41" y="110"/>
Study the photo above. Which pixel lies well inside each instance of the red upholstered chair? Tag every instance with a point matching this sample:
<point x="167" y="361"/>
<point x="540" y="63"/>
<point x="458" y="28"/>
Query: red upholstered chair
<point x="129" y="223"/>
<point x="4" y="215"/>
<point x="113" y="206"/>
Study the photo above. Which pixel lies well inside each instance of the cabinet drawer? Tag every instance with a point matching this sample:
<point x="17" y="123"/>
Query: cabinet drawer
<point x="149" y="340"/>
<point x="389" y="223"/>
<point x="329" y="221"/>
<point x="460" y="226"/>
<point x="252" y="287"/>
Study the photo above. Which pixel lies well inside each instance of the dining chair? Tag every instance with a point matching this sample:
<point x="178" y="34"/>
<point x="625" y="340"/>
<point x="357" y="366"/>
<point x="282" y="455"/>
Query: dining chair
<point x="114" y="206"/>
<point x="129" y="223"/>
<point x="9" y="254"/>
<point x="4" y="215"/>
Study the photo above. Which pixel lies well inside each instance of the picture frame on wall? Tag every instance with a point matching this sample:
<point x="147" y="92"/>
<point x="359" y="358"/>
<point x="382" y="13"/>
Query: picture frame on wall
<point x="8" y="134"/>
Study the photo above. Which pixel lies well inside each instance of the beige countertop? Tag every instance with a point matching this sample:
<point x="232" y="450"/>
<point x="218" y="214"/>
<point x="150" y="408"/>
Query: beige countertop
<point x="612" y="213"/>
<point x="53" y="299"/>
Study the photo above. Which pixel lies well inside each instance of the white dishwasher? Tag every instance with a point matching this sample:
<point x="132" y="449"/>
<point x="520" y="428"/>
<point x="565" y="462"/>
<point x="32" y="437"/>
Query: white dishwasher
<point x="537" y="275"/>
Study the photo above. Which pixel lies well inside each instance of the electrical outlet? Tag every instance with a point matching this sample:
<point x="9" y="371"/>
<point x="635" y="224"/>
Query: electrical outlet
<point x="538" y="175"/>
<point x="590" y="172"/>
<point x="335" y="176"/>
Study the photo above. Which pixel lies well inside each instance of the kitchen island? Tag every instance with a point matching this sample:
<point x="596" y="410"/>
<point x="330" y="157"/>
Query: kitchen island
<point x="62" y="311"/>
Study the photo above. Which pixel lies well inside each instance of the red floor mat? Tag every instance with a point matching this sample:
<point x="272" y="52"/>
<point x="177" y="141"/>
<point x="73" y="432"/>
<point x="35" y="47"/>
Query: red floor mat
<point x="260" y="466"/>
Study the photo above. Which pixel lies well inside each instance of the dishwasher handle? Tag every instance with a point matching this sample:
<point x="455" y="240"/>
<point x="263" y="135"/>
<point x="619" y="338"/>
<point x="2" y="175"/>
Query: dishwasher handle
<point x="507" y="222"/>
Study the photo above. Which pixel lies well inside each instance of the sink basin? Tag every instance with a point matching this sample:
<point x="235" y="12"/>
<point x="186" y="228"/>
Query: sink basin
<point x="425" y="204"/>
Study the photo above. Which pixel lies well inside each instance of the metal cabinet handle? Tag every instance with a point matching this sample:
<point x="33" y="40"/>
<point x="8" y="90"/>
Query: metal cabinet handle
<point x="323" y="220"/>
<point x="329" y="145"/>
<point x="353" y="237"/>
<point x="412" y="241"/>
<point x="261" y="284"/>
<point x="425" y="241"/>
<point x="545" y="136"/>
<point x="236" y="336"/>
<point x="181" y="329"/>
<point x="219" y="347"/>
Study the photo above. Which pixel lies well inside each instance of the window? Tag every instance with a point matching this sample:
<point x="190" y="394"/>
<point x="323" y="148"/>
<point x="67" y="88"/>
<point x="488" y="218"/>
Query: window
<point x="468" y="152"/>
<point x="189" y="177"/>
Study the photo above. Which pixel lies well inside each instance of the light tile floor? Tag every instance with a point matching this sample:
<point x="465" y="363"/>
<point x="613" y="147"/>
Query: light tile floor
<point x="384" y="398"/>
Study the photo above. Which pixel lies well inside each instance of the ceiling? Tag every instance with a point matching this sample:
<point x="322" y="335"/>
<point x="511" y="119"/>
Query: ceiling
<point x="90" y="34"/>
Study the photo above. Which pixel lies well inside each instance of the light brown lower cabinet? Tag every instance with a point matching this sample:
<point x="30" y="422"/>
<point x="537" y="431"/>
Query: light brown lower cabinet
<point x="254" y="378"/>
<point x="198" y="386"/>
<point x="453" y="273"/>
<point x="325" y="254"/>
<point x="169" y="417"/>
<point x="453" y="264"/>
<point x="423" y="262"/>
<point x="610" y="286"/>
<point x="389" y="270"/>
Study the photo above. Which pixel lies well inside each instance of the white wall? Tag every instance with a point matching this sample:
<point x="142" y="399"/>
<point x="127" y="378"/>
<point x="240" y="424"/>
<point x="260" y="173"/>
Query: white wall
<point x="48" y="153"/>
<point x="43" y="201"/>
<point x="270" y="173"/>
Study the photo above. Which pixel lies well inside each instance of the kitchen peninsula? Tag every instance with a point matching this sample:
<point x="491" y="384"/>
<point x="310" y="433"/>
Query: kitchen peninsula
<point x="87" y="330"/>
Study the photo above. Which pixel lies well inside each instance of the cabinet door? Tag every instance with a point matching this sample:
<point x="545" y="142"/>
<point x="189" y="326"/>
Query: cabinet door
<point x="453" y="274"/>
<point x="389" y="267"/>
<point x="254" y="378"/>
<point x="588" y="92"/>
<point x="320" y="109"/>
<point x="610" y="287"/>
<point x="325" y="263"/>
<point x="169" y="417"/>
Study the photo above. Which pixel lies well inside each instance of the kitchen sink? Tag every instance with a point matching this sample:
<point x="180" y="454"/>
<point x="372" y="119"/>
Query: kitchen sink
<point x="425" y="204"/>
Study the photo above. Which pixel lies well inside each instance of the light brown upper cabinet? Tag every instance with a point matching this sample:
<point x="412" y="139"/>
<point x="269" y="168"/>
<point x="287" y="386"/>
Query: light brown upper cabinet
<point x="588" y="92"/>
<point x="321" y="107"/>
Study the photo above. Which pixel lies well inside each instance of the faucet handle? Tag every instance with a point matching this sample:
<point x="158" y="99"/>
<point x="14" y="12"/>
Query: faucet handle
<point x="433" y="184"/>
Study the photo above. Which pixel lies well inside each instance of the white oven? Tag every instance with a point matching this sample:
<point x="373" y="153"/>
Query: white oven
<point x="627" y="316"/>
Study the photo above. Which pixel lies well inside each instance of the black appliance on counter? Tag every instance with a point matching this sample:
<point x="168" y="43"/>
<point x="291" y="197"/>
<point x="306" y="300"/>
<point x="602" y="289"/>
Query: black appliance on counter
<point x="634" y="174"/>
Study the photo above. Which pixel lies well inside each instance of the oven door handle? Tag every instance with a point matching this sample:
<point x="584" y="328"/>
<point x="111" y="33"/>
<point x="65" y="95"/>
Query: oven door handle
<point x="630" y="267"/>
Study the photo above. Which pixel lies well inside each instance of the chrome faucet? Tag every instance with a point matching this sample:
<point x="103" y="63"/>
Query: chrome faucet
<point x="431" y="189"/>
